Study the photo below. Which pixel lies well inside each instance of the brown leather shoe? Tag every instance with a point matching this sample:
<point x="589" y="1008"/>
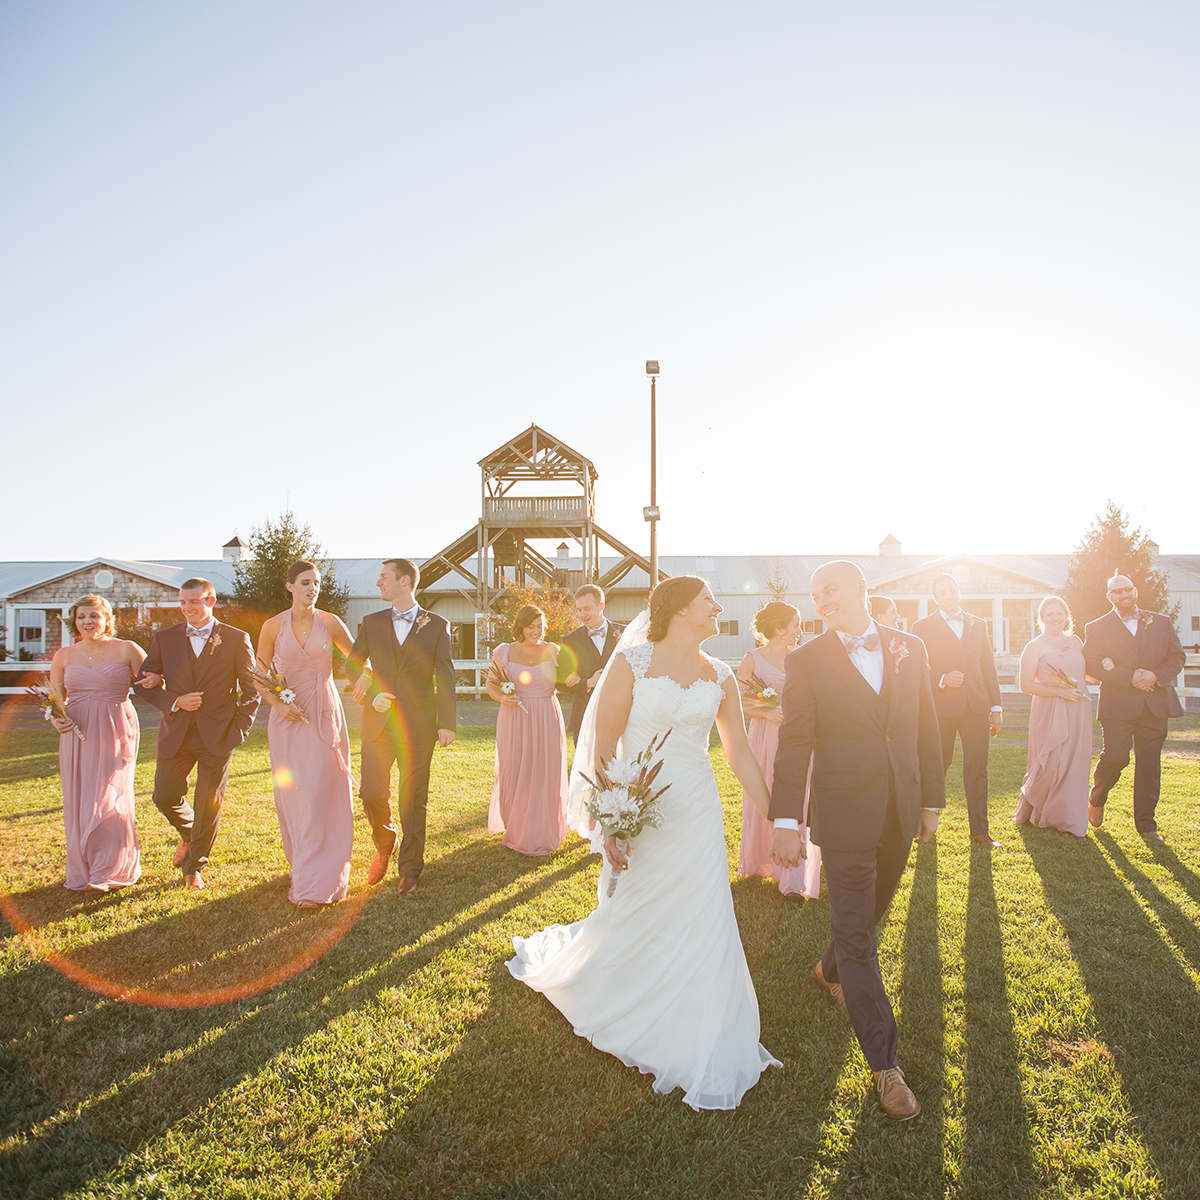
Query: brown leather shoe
<point x="406" y="886"/>
<point x="895" y="1096"/>
<point x="195" y="881"/>
<point x="180" y="853"/>
<point x="1095" y="816"/>
<point x="985" y="839"/>
<point x="833" y="989"/>
<point x="378" y="868"/>
<point x="1153" y="836"/>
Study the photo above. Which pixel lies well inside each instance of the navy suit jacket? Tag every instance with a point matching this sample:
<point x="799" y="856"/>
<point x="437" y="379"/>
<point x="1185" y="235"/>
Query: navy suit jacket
<point x="971" y="654"/>
<point x="1155" y="648"/>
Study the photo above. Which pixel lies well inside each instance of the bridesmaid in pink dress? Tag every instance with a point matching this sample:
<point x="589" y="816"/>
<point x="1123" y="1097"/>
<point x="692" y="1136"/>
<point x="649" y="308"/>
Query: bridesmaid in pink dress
<point x="1055" y="792"/>
<point x="529" y="797"/>
<point x="310" y="744"/>
<point x="777" y="626"/>
<point x="93" y="676"/>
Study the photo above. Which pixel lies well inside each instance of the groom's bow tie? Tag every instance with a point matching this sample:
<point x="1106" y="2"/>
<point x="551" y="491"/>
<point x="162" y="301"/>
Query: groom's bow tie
<point x="409" y="616"/>
<point x="868" y="641"/>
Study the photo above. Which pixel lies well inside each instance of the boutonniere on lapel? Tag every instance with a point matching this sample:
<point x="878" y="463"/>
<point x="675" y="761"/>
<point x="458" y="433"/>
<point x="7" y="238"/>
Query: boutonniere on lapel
<point x="1145" y="618"/>
<point x="899" y="651"/>
<point x="214" y="642"/>
<point x="422" y="621"/>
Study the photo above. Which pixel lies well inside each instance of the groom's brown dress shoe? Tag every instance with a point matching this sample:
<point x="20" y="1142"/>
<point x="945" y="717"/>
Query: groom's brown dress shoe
<point x="180" y="853"/>
<point x="406" y="886"/>
<point x="195" y="882"/>
<point x="895" y="1096"/>
<point x="834" y="989"/>
<point x="378" y="868"/>
<point x="1095" y="816"/>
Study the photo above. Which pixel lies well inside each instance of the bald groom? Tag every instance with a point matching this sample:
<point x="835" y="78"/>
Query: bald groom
<point x="858" y="706"/>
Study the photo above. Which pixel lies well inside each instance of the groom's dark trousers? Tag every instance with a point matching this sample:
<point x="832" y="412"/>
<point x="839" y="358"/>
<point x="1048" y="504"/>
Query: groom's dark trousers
<point x="876" y="762"/>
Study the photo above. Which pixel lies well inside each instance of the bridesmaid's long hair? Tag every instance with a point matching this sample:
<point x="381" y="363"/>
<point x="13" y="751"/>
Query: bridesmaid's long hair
<point x="771" y="618"/>
<point x="1070" y="626"/>
<point x="667" y="599"/>
<point x="91" y="600"/>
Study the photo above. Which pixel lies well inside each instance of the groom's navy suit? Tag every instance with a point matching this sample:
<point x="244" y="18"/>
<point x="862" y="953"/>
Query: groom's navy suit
<point x="420" y="674"/>
<point x="876" y="762"/>
<point x="585" y="660"/>
<point x="1131" y="718"/>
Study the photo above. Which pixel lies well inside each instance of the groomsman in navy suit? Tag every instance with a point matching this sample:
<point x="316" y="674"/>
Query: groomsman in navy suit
<point x="858" y="709"/>
<point x="410" y="708"/>
<point x="590" y="647"/>
<point x="1137" y="657"/>
<point x="966" y="692"/>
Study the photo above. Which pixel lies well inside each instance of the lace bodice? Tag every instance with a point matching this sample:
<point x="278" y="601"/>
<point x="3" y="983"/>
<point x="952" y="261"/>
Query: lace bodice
<point x="659" y="703"/>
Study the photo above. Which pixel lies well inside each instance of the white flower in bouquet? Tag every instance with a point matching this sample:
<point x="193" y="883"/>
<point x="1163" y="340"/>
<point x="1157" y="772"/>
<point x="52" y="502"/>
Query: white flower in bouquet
<point x="288" y="696"/>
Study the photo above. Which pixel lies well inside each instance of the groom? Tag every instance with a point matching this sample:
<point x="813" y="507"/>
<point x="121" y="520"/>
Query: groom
<point x="198" y="674"/>
<point x="859" y="709"/>
<point x="412" y="707"/>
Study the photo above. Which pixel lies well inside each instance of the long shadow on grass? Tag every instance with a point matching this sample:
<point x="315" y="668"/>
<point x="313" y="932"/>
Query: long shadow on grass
<point x="997" y="1160"/>
<point x="1184" y="875"/>
<point x="523" y="1107"/>
<point x="1181" y="930"/>
<point x="185" y="1068"/>
<point x="1145" y="1004"/>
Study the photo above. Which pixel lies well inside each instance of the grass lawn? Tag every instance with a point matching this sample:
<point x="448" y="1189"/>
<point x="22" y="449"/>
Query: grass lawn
<point x="163" y="1043"/>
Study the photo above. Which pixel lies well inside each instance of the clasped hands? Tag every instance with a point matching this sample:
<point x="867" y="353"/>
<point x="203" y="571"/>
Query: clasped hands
<point x="1143" y="680"/>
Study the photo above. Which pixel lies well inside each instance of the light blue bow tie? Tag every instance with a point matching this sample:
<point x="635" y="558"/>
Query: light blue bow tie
<point x="409" y="616"/>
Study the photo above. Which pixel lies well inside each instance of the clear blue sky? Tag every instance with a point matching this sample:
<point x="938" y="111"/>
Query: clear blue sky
<point x="925" y="268"/>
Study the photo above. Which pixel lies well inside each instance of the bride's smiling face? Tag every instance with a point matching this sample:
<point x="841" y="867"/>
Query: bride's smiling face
<point x="702" y="613"/>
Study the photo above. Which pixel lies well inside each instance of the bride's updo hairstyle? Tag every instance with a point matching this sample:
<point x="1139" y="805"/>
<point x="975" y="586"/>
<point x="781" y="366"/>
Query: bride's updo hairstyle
<point x="667" y="599"/>
<point x="771" y="619"/>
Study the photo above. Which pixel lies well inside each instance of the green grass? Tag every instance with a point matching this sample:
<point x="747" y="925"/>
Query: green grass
<point x="1048" y="1000"/>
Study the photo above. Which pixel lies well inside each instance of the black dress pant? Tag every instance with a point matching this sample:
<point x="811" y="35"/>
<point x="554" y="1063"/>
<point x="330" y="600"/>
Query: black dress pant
<point x="196" y="822"/>
<point x="860" y="885"/>
<point x="412" y="795"/>
<point x="1145" y="736"/>
<point x="975" y="730"/>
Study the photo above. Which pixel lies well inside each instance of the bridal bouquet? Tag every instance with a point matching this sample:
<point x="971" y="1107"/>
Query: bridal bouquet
<point x="272" y="681"/>
<point x="506" y="685"/>
<point x="754" y="688"/>
<point x="624" y="801"/>
<point x="52" y="707"/>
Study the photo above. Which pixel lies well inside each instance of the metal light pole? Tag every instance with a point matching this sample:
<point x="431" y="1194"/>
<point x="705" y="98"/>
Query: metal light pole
<point x="651" y="514"/>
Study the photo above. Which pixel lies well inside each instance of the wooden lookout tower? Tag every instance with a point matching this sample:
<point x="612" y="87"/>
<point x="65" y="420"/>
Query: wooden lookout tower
<point x="532" y="488"/>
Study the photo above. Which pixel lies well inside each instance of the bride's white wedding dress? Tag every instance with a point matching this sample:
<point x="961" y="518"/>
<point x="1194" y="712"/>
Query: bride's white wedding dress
<point x="656" y="975"/>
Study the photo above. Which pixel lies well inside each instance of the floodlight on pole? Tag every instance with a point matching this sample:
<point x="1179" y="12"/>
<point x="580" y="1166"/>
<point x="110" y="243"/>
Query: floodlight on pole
<point x="651" y="513"/>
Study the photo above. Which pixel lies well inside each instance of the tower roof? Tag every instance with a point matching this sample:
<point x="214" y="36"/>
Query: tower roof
<point x="536" y="454"/>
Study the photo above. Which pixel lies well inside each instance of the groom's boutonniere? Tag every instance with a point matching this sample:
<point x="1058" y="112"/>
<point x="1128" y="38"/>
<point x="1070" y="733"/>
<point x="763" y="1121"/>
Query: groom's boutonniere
<point x="214" y="642"/>
<point x="899" y="651"/>
<point x="422" y="621"/>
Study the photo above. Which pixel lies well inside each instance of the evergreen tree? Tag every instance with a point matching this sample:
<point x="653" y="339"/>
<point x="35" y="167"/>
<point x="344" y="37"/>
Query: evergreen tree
<point x="1110" y="547"/>
<point x="258" y="582"/>
<point x="777" y="584"/>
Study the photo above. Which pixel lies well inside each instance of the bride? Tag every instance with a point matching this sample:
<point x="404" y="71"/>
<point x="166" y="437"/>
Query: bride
<point x="656" y="975"/>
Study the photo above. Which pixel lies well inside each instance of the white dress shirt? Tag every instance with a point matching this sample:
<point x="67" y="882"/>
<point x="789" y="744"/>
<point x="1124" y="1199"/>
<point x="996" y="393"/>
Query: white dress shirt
<point x="1130" y="623"/>
<point x="599" y="636"/>
<point x="403" y="628"/>
<point x="198" y="635"/>
<point x="957" y="622"/>
<point x="869" y="664"/>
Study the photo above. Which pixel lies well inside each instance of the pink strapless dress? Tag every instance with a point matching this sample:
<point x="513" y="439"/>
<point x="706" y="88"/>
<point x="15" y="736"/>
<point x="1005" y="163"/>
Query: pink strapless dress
<point x="1054" y="794"/>
<point x="97" y="778"/>
<point x="754" y="856"/>
<point x="310" y="770"/>
<point x="529" y="797"/>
